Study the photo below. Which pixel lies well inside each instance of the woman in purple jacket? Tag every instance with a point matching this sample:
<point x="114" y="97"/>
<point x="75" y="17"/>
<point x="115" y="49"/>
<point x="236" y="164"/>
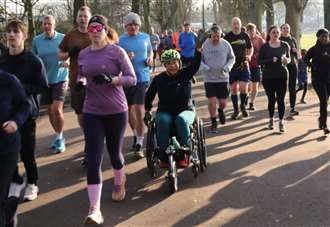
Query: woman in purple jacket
<point x="104" y="68"/>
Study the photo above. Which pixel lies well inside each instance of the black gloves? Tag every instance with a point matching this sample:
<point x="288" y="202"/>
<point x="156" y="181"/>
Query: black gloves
<point x="79" y="86"/>
<point x="73" y="51"/>
<point x="102" y="79"/>
<point x="147" y="118"/>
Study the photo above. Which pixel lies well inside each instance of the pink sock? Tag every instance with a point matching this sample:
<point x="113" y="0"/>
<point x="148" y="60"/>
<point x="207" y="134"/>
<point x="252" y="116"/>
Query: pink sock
<point x="94" y="195"/>
<point x="119" y="175"/>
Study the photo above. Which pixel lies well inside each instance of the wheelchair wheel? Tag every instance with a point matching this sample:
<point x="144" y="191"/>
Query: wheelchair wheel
<point x="202" y="150"/>
<point x="151" y="156"/>
<point x="172" y="175"/>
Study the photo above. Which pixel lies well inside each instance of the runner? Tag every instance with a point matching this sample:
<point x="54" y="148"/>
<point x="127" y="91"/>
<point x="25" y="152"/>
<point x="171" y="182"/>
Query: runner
<point x="176" y="38"/>
<point x="15" y="109"/>
<point x="30" y="71"/>
<point x="187" y="44"/>
<point x="318" y="58"/>
<point x="218" y="58"/>
<point x="292" y="66"/>
<point x="74" y="41"/>
<point x="105" y="68"/>
<point x="302" y="76"/>
<point x="240" y="73"/>
<point x="175" y="101"/>
<point x="45" y="46"/>
<point x="255" y="69"/>
<point x="137" y="45"/>
<point x="168" y="42"/>
<point x="274" y="57"/>
<point x="155" y="41"/>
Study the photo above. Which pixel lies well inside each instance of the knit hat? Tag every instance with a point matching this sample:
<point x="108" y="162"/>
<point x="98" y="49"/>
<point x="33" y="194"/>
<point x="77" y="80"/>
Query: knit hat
<point x="322" y="31"/>
<point x="132" y="18"/>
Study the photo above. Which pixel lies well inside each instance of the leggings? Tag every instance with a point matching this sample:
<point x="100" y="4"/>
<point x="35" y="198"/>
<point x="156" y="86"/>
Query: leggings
<point x="275" y="90"/>
<point x="182" y="122"/>
<point x="28" y="138"/>
<point x="293" y="73"/>
<point x="96" y="129"/>
<point x="322" y="89"/>
<point x="8" y="162"/>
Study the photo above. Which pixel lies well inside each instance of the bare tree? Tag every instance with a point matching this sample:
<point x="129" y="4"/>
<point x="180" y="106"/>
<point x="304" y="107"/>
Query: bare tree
<point x="163" y="12"/>
<point x="326" y="4"/>
<point x="76" y="6"/>
<point x="270" y="13"/>
<point x="136" y="6"/>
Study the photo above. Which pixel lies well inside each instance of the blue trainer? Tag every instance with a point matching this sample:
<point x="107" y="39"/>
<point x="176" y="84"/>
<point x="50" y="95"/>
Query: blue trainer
<point x="59" y="145"/>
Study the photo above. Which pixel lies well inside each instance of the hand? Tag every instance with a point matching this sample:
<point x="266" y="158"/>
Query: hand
<point x="65" y="64"/>
<point x="9" y="127"/>
<point x="102" y="79"/>
<point x="147" y="118"/>
<point x="200" y="49"/>
<point x="275" y="59"/>
<point x="149" y="61"/>
<point x="247" y="58"/>
<point x="294" y="50"/>
<point x="74" y="51"/>
<point x="131" y="55"/>
<point x="285" y="60"/>
<point x="79" y="86"/>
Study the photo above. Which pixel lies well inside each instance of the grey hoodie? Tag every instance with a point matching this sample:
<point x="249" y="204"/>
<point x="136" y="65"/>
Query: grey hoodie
<point x="217" y="61"/>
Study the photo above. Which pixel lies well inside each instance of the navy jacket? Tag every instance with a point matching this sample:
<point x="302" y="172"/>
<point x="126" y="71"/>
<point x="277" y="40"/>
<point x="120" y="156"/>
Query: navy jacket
<point x="14" y="107"/>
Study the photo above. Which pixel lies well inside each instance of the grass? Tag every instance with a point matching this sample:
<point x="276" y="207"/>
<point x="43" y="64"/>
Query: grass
<point x="308" y="40"/>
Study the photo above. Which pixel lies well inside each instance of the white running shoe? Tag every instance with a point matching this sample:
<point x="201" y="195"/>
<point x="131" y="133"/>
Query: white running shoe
<point x="94" y="217"/>
<point x="16" y="189"/>
<point x="31" y="192"/>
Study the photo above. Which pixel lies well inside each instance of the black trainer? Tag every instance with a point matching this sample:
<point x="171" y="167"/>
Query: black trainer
<point x="326" y="131"/>
<point x="294" y="112"/>
<point x="214" y="127"/>
<point x="235" y="115"/>
<point x="244" y="112"/>
<point x="222" y="117"/>
<point x="138" y="151"/>
<point x="251" y="106"/>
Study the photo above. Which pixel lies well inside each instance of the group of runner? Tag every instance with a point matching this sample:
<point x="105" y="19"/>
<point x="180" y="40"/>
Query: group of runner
<point x="108" y="77"/>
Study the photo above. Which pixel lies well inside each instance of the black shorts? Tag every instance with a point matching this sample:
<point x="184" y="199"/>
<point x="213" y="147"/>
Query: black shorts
<point x="239" y="76"/>
<point x="135" y="95"/>
<point x="219" y="90"/>
<point x="55" y="92"/>
<point x="255" y="75"/>
<point x="77" y="100"/>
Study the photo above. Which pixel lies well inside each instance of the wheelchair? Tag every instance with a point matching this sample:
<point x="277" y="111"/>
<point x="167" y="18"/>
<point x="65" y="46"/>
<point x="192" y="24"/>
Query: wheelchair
<point x="197" y="152"/>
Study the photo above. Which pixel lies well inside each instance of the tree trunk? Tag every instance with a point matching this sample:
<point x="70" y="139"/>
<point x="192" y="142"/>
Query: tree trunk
<point x="136" y="6"/>
<point x="146" y="15"/>
<point x="270" y="19"/>
<point x="28" y="7"/>
<point x="294" y="16"/>
<point x="76" y="6"/>
<point x="259" y="12"/>
<point x="326" y="13"/>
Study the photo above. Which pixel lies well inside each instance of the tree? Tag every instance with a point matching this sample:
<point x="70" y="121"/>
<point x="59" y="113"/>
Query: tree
<point x="136" y="6"/>
<point x="163" y="12"/>
<point x="146" y="14"/>
<point x="270" y="14"/>
<point x="76" y="6"/>
<point x="294" y="16"/>
<point x="326" y="4"/>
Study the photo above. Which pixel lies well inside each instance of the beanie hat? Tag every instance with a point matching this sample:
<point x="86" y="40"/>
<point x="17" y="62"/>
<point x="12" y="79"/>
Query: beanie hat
<point x="132" y="18"/>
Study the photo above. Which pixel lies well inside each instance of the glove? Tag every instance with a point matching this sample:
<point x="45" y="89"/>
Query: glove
<point x="102" y="79"/>
<point x="74" y="51"/>
<point x="147" y="118"/>
<point x="79" y="86"/>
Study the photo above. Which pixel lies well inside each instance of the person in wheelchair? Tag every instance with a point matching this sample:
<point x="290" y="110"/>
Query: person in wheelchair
<point x="175" y="106"/>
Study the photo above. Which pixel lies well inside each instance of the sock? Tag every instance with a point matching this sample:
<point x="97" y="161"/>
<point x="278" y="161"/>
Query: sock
<point x="59" y="135"/>
<point x="243" y="98"/>
<point x="220" y="110"/>
<point x="234" y="99"/>
<point x="213" y="119"/>
<point x="139" y="140"/>
<point x="94" y="195"/>
<point x="119" y="175"/>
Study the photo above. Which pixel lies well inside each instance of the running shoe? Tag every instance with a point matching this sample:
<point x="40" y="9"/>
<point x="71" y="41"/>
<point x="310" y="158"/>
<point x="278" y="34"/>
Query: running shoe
<point x="94" y="217"/>
<point x="244" y="112"/>
<point x="59" y="145"/>
<point x="119" y="192"/>
<point x="138" y="151"/>
<point x="235" y="115"/>
<point x="251" y="107"/>
<point x="222" y="117"/>
<point x="293" y="112"/>
<point x="214" y="127"/>
<point x="302" y="101"/>
<point x="281" y="126"/>
<point x="326" y="131"/>
<point x="270" y="124"/>
<point x="15" y="189"/>
<point x="31" y="192"/>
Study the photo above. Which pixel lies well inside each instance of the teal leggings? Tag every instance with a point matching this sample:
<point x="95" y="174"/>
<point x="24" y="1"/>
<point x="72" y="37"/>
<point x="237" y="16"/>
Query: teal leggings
<point x="165" y="122"/>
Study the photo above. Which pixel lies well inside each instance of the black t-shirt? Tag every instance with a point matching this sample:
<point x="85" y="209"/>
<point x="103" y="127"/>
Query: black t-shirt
<point x="240" y="43"/>
<point x="3" y="52"/>
<point x="174" y="92"/>
<point x="271" y="69"/>
<point x="293" y="44"/>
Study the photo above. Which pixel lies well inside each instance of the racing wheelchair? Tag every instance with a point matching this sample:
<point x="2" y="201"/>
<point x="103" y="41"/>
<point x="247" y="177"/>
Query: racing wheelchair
<point x="197" y="152"/>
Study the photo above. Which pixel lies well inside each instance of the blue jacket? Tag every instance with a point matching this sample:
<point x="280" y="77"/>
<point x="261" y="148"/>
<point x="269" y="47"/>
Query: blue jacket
<point x="14" y="107"/>
<point x="187" y="43"/>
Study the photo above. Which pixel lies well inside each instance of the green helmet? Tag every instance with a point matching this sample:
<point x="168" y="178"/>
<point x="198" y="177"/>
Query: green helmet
<point x="170" y="55"/>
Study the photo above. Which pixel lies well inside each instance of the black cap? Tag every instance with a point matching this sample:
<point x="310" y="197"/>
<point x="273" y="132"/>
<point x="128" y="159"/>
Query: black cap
<point x="97" y="19"/>
<point x="322" y="31"/>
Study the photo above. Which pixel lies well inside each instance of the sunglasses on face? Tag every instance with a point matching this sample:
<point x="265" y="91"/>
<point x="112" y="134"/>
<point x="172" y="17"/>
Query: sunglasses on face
<point x="95" y="28"/>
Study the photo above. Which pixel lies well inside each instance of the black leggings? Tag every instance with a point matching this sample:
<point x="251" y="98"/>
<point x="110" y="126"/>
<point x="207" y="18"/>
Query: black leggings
<point x="322" y="89"/>
<point x="8" y="162"/>
<point x="28" y="138"/>
<point x="293" y="73"/>
<point x="96" y="129"/>
<point x="275" y="90"/>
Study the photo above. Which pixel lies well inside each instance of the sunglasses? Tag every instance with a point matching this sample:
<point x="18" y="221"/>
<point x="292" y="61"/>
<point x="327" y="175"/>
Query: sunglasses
<point x="95" y="28"/>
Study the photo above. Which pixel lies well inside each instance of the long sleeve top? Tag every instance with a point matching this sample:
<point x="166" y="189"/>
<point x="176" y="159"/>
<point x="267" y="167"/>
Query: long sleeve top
<point x="318" y="58"/>
<point x="271" y="69"/>
<point x="187" y="43"/>
<point x="292" y="44"/>
<point x="14" y="107"/>
<point x="107" y="98"/>
<point x="30" y="71"/>
<point x="174" y="92"/>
